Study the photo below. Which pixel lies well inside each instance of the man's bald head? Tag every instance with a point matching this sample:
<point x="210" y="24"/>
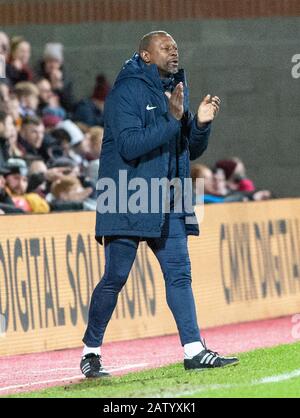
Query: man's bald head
<point x="159" y="48"/>
<point x="146" y="39"/>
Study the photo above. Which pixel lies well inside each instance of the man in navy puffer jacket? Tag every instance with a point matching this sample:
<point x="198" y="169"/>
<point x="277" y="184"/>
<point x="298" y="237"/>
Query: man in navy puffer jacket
<point x="149" y="134"/>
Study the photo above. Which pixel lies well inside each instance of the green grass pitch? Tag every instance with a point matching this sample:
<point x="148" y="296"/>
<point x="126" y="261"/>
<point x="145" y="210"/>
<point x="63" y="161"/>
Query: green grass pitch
<point x="272" y="372"/>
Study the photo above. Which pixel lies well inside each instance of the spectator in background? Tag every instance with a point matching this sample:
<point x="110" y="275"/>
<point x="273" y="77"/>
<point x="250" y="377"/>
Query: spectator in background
<point x="4" y="123"/>
<point x="45" y="93"/>
<point x="53" y="113"/>
<point x="49" y="108"/>
<point x="90" y="111"/>
<point x="4" y="92"/>
<point x="31" y="137"/>
<point x="79" y="146"/>
<point x="245" y="184"/>
<point x="12" y="138"/>
<point x="4" y="45"/>
<point x="235" y="174"/>
<point x="3" y="194"/>
<point x="8" y="138"/>
<point x="65" y="166"/>
<point x="13" y="107"/>
<point x="206" y="193"/>
<point x="69" y="194"/>
<point x="6" y="203"/>
<point x="63" y="143"/>
<point x="219" y="182"/>
<point x="28" y="96"/>
<point x="214" y="188"/>
<point x="37" y="165"/>
<point x="37" y="177"/>
<point x="16" y="187"/>
<point x="41" y="177"/>
<point x="95" y="138"/>
<point x="68" y="167"/>
<point x="17" y="68"/>
<point x="52" y="68"/>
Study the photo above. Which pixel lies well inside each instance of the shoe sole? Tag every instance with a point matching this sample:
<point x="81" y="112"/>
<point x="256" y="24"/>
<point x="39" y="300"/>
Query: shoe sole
<point x="202" y="369"/>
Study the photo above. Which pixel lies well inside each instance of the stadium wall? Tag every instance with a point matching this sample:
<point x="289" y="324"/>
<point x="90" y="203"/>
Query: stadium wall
<point x="77" y="11"/>
<point x="245" y="266"/>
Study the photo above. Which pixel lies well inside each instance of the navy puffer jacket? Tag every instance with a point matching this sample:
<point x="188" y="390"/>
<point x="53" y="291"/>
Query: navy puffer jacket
<point x="137" y="130"/>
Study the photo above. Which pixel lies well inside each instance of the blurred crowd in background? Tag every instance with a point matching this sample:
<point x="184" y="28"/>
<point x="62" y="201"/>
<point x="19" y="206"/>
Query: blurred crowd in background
<point x="225" y="182"/>
<point x="50" y="143"/>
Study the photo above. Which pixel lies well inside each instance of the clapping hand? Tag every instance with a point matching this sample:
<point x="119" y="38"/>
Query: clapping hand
<point x="176" y="101"/>
<point x="208" y="109"/>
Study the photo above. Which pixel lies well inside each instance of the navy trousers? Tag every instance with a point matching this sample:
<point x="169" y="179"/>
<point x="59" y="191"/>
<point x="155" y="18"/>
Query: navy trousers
<point x="172" y="253"/>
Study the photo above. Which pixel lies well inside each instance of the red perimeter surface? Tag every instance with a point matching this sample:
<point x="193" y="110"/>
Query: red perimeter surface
<point x="31" y="372"/>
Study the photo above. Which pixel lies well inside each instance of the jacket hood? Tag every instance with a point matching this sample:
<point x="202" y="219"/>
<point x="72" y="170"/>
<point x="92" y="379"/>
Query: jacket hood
<point x="136" y="68"/>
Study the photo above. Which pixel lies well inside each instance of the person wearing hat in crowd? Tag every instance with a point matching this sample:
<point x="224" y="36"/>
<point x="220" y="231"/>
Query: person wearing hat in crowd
<point x="235" y="174"/>
<point x="17" y="67"/>
<point x="6" y="203"/>
<point x="52" y="68"/>
<point x="63" y="142"/>
<point x="79" y="145"/>
<point x="16" y="180"/>
<point x="90" y="111"/>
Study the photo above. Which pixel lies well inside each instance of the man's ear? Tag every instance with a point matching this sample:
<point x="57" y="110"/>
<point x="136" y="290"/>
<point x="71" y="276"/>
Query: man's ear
<point x="145" y="56"/>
